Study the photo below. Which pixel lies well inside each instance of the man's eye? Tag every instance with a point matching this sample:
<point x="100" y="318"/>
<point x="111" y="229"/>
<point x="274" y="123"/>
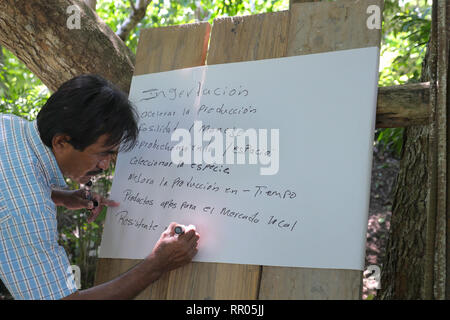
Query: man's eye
<point x="113" y="155"/>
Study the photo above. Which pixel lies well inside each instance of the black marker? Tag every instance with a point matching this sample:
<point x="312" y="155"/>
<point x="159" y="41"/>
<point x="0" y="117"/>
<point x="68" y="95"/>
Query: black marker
<point x="179" y="230"/>
<point x="88" y="193"/>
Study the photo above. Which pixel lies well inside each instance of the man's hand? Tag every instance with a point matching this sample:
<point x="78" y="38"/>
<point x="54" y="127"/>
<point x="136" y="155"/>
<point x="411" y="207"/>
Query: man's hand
<point x="173" y="251"/>
<point x="170" y="252"/>
<point x="77" y="199"/>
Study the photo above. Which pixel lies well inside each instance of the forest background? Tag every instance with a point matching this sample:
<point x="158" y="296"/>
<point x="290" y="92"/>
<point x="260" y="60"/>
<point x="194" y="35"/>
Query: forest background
<point x="405" y="34"/>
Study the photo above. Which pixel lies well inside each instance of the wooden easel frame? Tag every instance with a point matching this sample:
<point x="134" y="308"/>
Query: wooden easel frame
<point x="307" y="28"/>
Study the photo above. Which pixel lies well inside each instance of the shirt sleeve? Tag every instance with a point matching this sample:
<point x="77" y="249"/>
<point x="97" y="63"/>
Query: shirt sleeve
<point x="32" y="264"/>
<point x="4" y="213"/>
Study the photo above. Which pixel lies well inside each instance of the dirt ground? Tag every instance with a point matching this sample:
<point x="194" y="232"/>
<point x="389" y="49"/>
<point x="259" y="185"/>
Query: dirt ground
<point x="384" y="172"/>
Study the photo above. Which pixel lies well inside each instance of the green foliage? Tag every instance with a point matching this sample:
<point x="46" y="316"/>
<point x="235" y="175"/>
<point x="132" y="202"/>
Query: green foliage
<point x="168" y="13"/>
<point x="406" y="30"/>
<point x="21" y="92"/>
<point x="390" y="140"/>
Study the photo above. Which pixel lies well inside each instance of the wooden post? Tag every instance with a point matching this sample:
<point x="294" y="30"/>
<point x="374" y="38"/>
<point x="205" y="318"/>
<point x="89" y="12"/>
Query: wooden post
<point x="307" y="28"/>
<point x="437" y="251"/>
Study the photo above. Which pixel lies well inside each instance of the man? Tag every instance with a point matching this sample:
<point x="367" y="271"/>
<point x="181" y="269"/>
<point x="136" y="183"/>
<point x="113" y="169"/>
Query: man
<point x="77" y="133"/>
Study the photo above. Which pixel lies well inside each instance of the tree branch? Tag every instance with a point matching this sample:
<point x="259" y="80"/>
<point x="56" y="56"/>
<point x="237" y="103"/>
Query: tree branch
<point x="137" y="14"/>
<point x="37" y="33"/>
<point x="92" y="4"/>
<point x="132" y="5"/>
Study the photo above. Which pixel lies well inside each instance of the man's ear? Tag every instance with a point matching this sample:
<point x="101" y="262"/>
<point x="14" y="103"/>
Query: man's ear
<point x="60" y="143"/>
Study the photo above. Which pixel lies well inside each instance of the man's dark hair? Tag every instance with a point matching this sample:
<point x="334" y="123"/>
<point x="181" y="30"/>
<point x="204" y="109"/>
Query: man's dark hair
<point x="85" y="108"/>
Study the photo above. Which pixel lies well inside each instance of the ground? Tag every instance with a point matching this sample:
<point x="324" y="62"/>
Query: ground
<point x="384" y="173"/>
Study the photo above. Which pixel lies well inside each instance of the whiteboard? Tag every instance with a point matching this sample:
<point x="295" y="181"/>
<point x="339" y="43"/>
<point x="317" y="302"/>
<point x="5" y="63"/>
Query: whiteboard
<point x="311" y="209"/>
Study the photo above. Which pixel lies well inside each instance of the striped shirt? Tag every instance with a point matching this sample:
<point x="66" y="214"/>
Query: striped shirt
<point x="32" y="264"/>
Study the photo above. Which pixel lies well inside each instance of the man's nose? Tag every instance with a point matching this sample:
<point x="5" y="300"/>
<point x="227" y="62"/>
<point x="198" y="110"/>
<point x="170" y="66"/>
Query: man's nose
<point x="104" y="164"/>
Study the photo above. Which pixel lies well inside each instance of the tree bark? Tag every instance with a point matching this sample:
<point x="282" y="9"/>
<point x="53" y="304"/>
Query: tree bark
<point x="403" y="269"/>
<point x="37" y="33"/>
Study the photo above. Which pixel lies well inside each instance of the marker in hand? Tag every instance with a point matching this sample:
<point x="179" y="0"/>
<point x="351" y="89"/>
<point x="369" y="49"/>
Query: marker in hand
<point x="182" y="229"/>
<point x="96" y="203"/>
<point x="179" y="230"/>
<point x="89" y="195"/>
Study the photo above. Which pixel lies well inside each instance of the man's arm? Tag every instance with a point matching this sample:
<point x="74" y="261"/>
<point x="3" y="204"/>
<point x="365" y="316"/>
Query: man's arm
<point x="170" y="252"/>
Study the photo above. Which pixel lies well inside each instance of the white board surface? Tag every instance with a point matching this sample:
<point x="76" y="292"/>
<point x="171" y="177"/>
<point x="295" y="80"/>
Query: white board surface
<point x="311" y="213"/>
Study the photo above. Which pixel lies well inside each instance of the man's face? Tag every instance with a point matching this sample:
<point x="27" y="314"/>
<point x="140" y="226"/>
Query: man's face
<point x="81" y="166"/>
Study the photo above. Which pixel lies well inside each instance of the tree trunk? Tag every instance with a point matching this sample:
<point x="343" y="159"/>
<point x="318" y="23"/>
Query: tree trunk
<point x="403" y="269"/>
<point x="37" y="33"/>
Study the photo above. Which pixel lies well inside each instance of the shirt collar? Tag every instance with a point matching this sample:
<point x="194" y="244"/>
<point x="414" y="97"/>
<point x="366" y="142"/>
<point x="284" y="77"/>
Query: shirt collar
<point x="45" y="157"/>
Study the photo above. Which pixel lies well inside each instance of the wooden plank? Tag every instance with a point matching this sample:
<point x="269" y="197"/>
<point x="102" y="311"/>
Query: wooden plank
<point x="160" y="49"/>
<point x="443" y="240"/>
<point x="442" y="219"/>
<point x="404" y="105"/>
<point x="437" y="252"/>
<point x="170" y="48"/>
<point x="232" y="40"/>
<point x="256" y="37"/>
<point x="218" y="281"/>
<point x="309" y="284"/>
<point x="331" y="26"/>
<point x="315" y="28"/>
<point x="105" y="270"/>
